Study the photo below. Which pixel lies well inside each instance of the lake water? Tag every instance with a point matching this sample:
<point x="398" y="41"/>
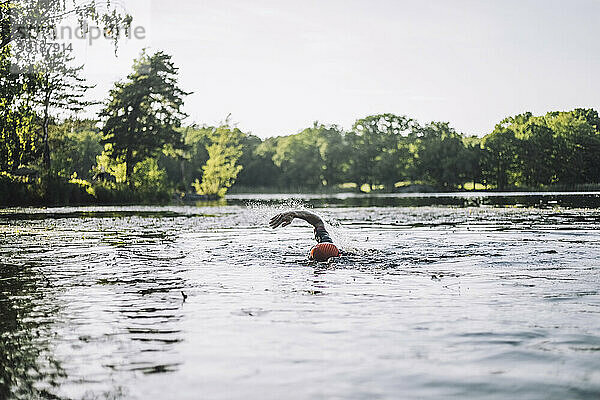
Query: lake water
<point x="437" y="296"/>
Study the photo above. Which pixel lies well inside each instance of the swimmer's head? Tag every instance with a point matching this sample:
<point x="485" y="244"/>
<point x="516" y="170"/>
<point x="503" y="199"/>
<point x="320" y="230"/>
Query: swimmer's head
<point x="323" y="252"/>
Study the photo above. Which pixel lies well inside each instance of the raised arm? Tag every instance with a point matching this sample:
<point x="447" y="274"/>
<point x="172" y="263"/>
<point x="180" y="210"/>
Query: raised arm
<point x="286" y="218"/>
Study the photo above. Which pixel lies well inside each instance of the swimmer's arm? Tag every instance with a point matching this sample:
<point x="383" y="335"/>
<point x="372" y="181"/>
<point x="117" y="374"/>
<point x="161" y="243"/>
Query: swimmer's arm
<point x="286" y="218"/>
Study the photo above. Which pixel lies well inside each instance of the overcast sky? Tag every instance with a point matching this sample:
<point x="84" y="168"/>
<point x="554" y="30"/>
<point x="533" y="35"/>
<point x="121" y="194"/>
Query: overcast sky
<point x="277" y="66"/>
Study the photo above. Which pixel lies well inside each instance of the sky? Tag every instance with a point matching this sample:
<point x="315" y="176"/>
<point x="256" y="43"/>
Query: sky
<point x="278" y="66"/>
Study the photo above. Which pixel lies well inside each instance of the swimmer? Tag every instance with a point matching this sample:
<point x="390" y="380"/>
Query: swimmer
<point x="324" y="249"/>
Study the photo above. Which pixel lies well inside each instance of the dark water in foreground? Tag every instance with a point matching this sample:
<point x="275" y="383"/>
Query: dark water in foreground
<point x="434" y="301"/>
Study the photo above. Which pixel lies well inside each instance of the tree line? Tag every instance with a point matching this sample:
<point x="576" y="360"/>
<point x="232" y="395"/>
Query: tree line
<point x="139" y="148"/>
<point x="389" y="151"/>
<point x="380" y="152"/>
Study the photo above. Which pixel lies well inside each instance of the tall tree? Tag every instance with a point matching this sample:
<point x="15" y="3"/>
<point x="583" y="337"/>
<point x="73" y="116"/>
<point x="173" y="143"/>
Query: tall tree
<point x="59" y="87"/>
<point x="18" y="139"/>
<point x="27" y="29"/>
<point x="144" y="112"/>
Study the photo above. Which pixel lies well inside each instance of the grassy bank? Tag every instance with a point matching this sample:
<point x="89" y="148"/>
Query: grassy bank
<point x="53" y="190"/>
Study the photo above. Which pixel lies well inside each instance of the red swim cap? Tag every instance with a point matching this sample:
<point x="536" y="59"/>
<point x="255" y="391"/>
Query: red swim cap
<point x="324" y="251"/>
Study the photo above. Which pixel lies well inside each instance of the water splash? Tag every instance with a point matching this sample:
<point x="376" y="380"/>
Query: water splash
<point x="260" y="213"/>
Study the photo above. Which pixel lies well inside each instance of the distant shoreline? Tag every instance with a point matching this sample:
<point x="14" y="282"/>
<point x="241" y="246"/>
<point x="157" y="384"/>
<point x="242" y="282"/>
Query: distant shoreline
<point x="513" y="198"/>
<point x="259" y="193"/>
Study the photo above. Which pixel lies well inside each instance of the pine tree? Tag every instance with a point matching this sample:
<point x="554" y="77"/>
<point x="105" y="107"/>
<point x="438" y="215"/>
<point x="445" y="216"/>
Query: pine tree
<point x="143" y="112"/>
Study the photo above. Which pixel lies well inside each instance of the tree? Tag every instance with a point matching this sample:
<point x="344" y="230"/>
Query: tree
<point x="221" y="169"/>
<point x="22" y="20"/>
<point x="473" y="158"/>
<point x="59" y="87"/>
<point x="380" y="146"/>
<point x="196" y="139"/>
<point x="536" y="154"/>
<point x="333" y="149"/>
<point x="441" y="157"/>
<point x="75" y="146"/>
<point x="259" y="169"/>
<point x="18" y="139"/>
<point x="577" y="144"/>
<point x="560" y="147"/>
<point x="499" y="157"/>
<point x="26" y="31"/>
<point x="143" y="113"/>
<point x="300" y="160"/>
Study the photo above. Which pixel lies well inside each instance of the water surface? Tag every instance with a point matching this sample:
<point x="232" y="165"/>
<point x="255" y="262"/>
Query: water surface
<point x="434" y="301"/>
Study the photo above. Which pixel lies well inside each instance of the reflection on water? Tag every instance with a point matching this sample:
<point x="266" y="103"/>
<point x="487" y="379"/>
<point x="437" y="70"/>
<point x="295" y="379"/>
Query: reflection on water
<point x="463" y="199"/>
<point x="208" y="302"/>
<point x="27" y="366"/>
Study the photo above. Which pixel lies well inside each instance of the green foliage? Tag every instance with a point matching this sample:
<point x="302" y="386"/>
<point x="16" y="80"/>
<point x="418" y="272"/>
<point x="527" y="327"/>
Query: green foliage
<point x="381" y="152"/>
<point x="31" y="93"/>
<point x="500" y="157"/>
<point x="144" y="112"/>
<point x="299" y="158"/>
<point x="113" y="166"/>
<point x="577" y="143"/>
<point x="76" y="145"/>
<point x="259" y="170"/>
<point x="149" y="178"/>
<point x="29" y="78"/>
<point x="473" y="155"/>
<point x="197" y="140"/>
<point x="441" y="156"/>
<point x="49" y="189"/>
<point x="315" y="157"/>
<point x="58" y="87"/>
<point x="334" y="151"/>
<point x="149" y="182"/>
<point x="559" y="148"/>
<point x="121" y="193"/>
<point x="58" y="191"/>
<point x="18" y="137"/>
<point x="258" y="167"/>
<point x="37" y="15"/>
<point x="16" y="192"/>
<point x="220" y="170"/>
<point x="380" y="149"/>
<point x="536" y="155"/>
